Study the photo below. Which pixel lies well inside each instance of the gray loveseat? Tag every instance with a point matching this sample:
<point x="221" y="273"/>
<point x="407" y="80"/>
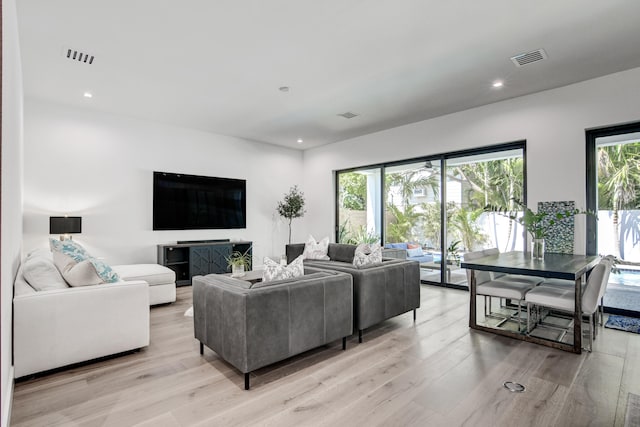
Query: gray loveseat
<point x="380" y="292"/>
<point x="254" y="325"/>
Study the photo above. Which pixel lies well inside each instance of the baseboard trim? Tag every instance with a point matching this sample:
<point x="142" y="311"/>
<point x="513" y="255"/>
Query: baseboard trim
<point x="8" y="403"/>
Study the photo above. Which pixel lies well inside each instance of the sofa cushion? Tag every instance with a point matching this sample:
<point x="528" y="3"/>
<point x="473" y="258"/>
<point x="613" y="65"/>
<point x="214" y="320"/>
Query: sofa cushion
<point x="153" y="274"/>
<point x="367" y="255"/>
<point x="316" y="250"/>
<point x="90" y="271"/>
<point x="275" y="271"/>
<point x="414" y="252"/>
<point x="42" y="275"/>
<point x="398" y="245"/>
<point x="342" y="252"/>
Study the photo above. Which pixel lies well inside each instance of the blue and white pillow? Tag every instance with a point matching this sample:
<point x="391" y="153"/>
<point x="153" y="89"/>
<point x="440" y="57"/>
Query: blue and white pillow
<point x="78" y="267"/>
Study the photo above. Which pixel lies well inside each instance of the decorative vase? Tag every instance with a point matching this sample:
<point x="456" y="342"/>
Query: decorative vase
<point x="237" y="270"/>
<point x="537" y="249"/>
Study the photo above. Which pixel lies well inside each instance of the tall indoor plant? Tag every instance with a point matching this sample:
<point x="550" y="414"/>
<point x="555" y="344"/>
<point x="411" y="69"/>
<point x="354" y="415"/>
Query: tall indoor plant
<point x="537" y="224"/>
<point x="292" y="206"/>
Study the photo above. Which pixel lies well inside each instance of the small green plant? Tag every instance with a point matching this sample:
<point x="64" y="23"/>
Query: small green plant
<point x="363" y="236"/>
<point x="238" y="258"/>
<point x="292" y="206"/>
<point x="452" y="252"/>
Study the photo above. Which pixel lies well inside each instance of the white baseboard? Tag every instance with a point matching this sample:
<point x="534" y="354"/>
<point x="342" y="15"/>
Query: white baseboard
<point x="8" y="401"/>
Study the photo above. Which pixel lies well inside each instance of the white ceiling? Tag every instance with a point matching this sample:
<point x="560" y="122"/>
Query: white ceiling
<point x="217" y="65"/>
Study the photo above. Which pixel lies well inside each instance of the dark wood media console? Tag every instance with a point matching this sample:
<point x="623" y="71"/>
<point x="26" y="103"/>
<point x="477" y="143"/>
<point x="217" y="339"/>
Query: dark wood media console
<point x="199" y="258"/>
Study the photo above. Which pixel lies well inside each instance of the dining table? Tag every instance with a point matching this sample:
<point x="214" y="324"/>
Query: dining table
<point x="552" y="266"/>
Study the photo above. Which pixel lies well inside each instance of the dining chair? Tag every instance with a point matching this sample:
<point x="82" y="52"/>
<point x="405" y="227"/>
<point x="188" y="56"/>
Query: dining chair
<point x="562" y="298"/>
<point x="491" y="284"/>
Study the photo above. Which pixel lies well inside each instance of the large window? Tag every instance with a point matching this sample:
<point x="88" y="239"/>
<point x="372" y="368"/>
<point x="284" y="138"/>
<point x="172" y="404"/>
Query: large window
<point x="433" y="208"/>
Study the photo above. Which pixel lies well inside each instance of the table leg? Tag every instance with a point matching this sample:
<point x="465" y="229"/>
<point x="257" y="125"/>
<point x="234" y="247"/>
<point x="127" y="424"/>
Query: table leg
<point x="472" y="301"/>
<point x="577" y="318"/>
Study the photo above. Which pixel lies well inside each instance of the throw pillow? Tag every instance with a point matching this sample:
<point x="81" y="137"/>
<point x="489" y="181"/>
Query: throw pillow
<point x="70" y="248"/>
<point x="316" y="250"/>
<point x="42" y="274"/>
<point x="414" y="252"/>
<point x="275" y="271"/>
<point x="367" y="255"/>
<point x="412" y="246"/>
<point x="78" y="267"/>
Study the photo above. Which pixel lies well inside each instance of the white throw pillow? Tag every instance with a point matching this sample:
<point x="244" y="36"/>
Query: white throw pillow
<point x="42" y="274"/>
<point x="414" y="252"/>
<point x="275" y="271"/>
<point x="90" y="271"/>
<point x="316" y="250"/>
<point x="367" y="255"/>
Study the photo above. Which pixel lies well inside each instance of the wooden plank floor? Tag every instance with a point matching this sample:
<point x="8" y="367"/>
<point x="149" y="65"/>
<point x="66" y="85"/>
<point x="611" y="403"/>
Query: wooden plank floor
<point x="435" y="372"/>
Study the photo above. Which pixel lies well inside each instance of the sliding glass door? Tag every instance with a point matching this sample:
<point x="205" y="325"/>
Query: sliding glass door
<point x="614" y="183"/>
<point x="431" y="210"/>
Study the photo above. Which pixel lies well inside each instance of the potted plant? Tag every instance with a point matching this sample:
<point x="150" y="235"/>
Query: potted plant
<point x="537" y="224"/>
<point x="453" y="258"/>
<point x="292" y="206"/>
<point x="239" y="262"/>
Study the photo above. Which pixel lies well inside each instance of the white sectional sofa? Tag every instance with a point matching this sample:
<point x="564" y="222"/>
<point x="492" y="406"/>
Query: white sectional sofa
<point x="56" y="325"/>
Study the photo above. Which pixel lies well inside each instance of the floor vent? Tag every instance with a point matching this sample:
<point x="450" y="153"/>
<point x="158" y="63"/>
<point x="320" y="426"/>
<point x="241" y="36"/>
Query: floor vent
<point x="78" y="56"/>
<point x="348" y="115"/>
<point x="529" y="57"/>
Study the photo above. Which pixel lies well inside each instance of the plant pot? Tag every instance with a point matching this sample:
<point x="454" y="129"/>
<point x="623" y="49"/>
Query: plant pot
<point x="237" y="270"/>
<point x="537" y="249"/>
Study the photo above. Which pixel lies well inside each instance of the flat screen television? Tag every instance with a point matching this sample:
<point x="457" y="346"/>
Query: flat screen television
<point x="191" y="202"/>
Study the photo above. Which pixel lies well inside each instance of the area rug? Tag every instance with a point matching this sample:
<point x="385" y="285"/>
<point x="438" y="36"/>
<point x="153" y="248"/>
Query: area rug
<point x="629" y="324"/>
<point x="632" y="417"/>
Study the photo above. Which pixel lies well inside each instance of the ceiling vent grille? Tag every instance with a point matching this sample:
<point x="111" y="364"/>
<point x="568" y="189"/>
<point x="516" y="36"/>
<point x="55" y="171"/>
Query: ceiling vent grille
<point x="529" y="57"/>
<point x="78" y="56"/>
<point x="348" y="115"/>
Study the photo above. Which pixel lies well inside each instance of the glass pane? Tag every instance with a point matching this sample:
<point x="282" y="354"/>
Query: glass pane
<point x="359" y="205"/>
<point x="412" y="214"/>
<point x="472" y="183"/>
<point x="618" y="171"/>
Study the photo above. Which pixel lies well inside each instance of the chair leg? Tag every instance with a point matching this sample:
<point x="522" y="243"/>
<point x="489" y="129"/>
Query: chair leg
<point x="528" y="317"/>
<point x="344" y="343"/>
<point x="246" y="381"/>
<point x="519" y="311"/>
<point x="414" y="314"/>
<point x="360" y="336"/>
<point x="591" y="326"/>
<point x="201" y="348"/>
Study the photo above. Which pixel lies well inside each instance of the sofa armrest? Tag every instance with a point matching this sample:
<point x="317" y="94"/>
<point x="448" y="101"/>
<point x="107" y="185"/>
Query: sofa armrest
<point x="65" y="326"/>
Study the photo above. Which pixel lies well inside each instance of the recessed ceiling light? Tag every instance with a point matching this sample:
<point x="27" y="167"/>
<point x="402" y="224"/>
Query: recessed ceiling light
<point x="283" y="88"/>
<point x="498" y="84"/>
<point x="88" y="95"/>
<point x="300" y="141"/>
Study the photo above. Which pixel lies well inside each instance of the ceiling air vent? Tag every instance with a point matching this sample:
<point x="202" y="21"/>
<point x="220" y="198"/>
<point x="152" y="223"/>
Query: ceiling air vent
<point x="78" y="56"/>
<point x="348" y="115"/>
<point x="529" y="57"/>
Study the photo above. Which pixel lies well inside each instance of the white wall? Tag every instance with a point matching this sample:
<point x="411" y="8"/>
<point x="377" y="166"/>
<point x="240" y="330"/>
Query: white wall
<point x="11" y="215"/>
<point x="552" y="122"/>
<point x="99" y="166"/>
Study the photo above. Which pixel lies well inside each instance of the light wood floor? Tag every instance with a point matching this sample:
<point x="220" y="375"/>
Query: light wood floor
<point x="435" y="372"/>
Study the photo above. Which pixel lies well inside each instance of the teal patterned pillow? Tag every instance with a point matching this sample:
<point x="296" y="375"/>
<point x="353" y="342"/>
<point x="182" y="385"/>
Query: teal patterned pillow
<point x="74" y="254"/>
<point x="70" y="248"/>
<point x="105" y="272"/>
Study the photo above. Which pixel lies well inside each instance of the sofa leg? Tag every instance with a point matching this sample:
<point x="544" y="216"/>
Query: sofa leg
<point x="344" y="343"/>
<point x="201" y="348"/>
<point x="246" y="381"/>
<point x="414" y="314"/>
<point x="360" y="335"/>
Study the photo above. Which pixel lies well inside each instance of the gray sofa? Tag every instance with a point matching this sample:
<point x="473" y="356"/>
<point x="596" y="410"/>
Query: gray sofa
<point x="254" y="325"/>
<point x="380" y="292"/>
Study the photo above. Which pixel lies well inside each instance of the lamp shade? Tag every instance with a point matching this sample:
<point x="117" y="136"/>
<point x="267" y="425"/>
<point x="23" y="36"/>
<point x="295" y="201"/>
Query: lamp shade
<point x="65" y="224"/>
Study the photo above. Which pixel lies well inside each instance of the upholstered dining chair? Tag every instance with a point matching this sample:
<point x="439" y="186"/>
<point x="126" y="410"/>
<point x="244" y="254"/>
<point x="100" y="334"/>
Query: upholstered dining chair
<point x="562" y="298"/>
<point x="492" y="284"/>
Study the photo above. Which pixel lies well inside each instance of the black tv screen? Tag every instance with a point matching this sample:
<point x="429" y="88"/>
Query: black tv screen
<point x="189" y="202"/>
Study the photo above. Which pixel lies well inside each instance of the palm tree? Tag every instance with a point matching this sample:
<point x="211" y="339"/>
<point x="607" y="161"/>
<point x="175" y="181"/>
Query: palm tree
<point x="619" y="176"/>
